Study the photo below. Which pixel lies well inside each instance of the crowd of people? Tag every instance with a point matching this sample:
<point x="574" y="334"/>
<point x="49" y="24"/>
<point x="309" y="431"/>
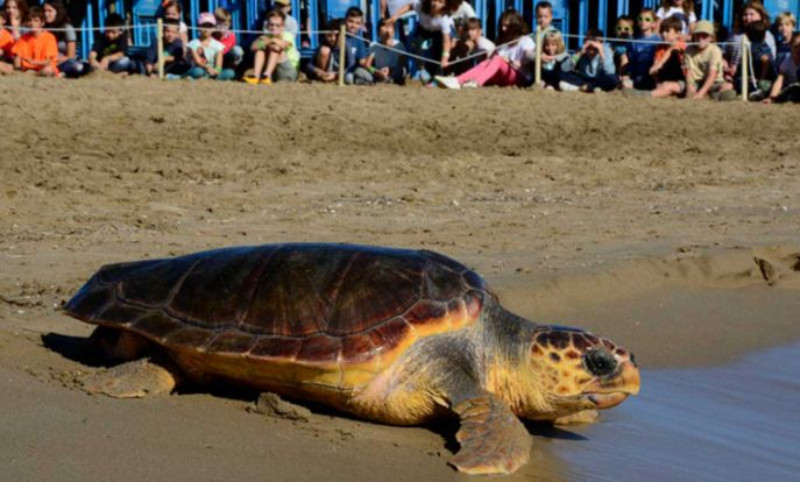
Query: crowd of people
<point x="664" y="52"/>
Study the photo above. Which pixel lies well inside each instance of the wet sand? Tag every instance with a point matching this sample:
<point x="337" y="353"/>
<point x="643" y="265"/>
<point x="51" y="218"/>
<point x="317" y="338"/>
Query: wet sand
<point x="638" y="220"/>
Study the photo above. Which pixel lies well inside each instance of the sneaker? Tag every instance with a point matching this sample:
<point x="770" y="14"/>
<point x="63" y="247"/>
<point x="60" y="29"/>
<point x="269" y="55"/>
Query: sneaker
<point x="756" y="95"/>
<point x="266" y="81"/>
<point x="470" y="85"/>
<point x="567" y="87"/>
<point x="251" y="80"/>
<point x="447" y="82"/>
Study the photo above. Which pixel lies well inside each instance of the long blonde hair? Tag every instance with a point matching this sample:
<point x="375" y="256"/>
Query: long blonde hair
<point x="555" y="36"/>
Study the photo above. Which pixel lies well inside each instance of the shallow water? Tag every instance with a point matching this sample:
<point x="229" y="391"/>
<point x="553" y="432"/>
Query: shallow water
<point x="737" y="422"/>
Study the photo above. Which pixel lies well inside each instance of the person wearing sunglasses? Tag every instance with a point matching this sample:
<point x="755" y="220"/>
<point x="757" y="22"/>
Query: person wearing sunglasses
<point x="624" y="33"/>
<point x="641" y="54"/>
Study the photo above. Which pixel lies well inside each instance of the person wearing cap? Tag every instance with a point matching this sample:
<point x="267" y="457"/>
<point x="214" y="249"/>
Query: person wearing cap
<point x="290" y="25"/>
<point x="703" y="66"/>
<point x="206" y="51"/>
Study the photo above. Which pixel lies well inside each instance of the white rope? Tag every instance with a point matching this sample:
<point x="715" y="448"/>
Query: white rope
<point x="636" y="41"/>
<point x="392" y="49"/>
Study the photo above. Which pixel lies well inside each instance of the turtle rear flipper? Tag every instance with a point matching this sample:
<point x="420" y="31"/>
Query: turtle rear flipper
<point x="137" y="379"/>
<point x="492" y="438"/>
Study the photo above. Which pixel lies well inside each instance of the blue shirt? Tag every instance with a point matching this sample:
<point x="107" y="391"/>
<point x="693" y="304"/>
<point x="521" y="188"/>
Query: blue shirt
<point x="356" y="50"/>
<point x="640" y="56"/>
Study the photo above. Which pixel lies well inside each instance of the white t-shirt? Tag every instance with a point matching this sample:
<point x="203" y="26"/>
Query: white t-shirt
<point x="788" y="70"/>
<point x="522" y="51"/>
<point x="442" y="23"/>
<point x="210" y="51"/>
<point x="484" y="45"/>
<point x="395" y="5"/>
<point x="678" y="12"/>
<point x="464" y="12"/>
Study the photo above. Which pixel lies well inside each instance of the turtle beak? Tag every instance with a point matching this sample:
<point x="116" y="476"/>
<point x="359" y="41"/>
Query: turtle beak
<point x="611" y="391"/>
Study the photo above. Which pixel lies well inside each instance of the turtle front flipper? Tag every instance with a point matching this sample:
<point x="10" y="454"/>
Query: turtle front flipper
<point x="492" y="438"/>
<point x="136" y="379"/>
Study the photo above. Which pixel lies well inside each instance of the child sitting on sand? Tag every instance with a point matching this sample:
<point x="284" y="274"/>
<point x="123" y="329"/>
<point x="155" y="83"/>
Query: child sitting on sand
<point x="36" y="50"/>
<point x="232" y="54"/>
<point x="667" y="69"/>
<point x="594" y="68"/>
<point x="785" y="23"/>
<point x="555" y="59"/>
<point x="641" y="54"/>
<point x="6" y="47"/>
<point x="206" y="52"/>
<point x="509" y="64"/>
<point x="470" y="44"/>
<point x="110" y="50"/>
<point x="276" y="57"/>
<point x="324" y="66"/>
<point x="382" y="65"/>
<point x="175" y="64"/>
<point x="786" y="86"/>
<point x="703" y="66"/>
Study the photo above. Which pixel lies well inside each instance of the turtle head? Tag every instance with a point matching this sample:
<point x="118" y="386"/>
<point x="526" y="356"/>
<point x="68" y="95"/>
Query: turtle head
<point x="574" y="370"/>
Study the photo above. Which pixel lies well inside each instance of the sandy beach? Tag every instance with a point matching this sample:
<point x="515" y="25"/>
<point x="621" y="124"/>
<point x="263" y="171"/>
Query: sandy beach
<point x="671" y="227"/>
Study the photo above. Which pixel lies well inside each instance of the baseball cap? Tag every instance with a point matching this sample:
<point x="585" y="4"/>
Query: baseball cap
<point x="283" y="2"/>
<point x="206" y="18"/>
<point x="703" y="26"/>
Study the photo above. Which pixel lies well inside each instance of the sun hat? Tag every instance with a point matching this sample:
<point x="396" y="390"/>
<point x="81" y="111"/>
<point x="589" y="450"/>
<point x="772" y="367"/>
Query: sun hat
<point x="206" y="18"/>
<point x="703" y="26"/>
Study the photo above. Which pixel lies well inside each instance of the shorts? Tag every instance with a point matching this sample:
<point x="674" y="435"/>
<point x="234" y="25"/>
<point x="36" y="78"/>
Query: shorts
<point x="285" y="72"/>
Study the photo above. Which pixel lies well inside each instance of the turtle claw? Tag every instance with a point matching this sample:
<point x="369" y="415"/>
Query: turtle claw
<point x="135" y="379"/>
<point x="493" y="440"/>
<point x="579" y="418"/>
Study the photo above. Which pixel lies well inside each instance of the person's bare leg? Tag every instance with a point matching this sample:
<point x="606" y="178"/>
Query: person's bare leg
<point x="273" y="59"/>
<point x="258" y="63"/>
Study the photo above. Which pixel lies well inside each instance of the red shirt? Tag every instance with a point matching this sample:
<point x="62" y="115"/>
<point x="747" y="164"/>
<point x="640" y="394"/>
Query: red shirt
<point x="229" y="40"/>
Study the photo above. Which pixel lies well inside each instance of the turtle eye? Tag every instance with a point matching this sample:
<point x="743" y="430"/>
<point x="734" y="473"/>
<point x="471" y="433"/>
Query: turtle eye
<point x="599" y="362"/>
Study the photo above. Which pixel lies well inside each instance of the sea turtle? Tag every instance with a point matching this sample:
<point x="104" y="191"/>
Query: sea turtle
<point x="391" y="335"/>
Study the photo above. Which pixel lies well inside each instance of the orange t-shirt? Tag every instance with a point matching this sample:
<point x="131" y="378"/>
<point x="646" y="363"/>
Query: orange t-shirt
<point x="6" y="44"/>
<point x="38" y="48"/>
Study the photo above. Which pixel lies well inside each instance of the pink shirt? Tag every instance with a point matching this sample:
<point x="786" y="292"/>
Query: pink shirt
<point x="229" y="40"/>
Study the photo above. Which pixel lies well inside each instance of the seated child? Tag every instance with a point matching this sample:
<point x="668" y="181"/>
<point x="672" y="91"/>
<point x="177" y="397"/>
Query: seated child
<point x="703" y="66"/>
<point x="36" y="50"/>
<point x="785" y="24"/>
<point x="324" y="66"/>
<point x="355" y="48"/>
<point x="786" y="86"/>
<point x="667" y="69"/>
<point x="382" y="65"/>
<point x="110" y="50"/>
<point x="508" y="66"/>
<point x="276" y="57"/>
<point x="172" y="11"/>
<point x="6" y="47"/>
<point x="232" y="54"/>
<point x="470" y="44"/>
<point x="175" y="64"/>
<point x="555" y="59"/>
<point x="544" y="17"/>
<point x="763" y="60"/>
<point x="624" y="31"/>
<point x="594" y="68"/>
<point x="206" y="52"/>
<point x="640" y="55"/>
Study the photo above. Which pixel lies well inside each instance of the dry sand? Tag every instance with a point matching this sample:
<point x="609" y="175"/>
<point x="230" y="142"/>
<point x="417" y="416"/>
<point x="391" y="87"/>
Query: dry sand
<point x="572" y="206"/>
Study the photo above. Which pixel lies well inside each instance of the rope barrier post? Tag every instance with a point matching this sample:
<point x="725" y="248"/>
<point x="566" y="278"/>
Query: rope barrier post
<point x="745" y="67"/>
<point x="539" y="37"/>
<point x="160" y="46"/>
<point x="342" y="52"/>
